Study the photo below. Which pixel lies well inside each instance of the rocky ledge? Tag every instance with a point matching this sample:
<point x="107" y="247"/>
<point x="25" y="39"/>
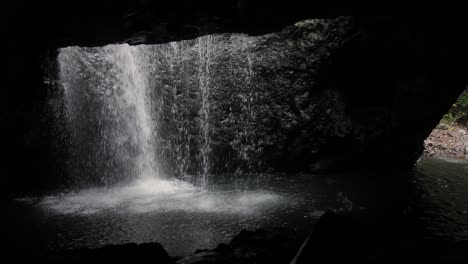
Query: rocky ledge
<point x="447" y="141"/>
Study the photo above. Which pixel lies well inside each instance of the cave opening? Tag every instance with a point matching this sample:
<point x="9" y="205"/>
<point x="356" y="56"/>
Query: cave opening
<point x="287" y="141"/>
<point x="442" y="173"/>
<point x="449" y="137"/>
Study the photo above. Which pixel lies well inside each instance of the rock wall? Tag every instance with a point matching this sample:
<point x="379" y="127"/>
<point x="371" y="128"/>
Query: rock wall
<point x="263" y="104"/>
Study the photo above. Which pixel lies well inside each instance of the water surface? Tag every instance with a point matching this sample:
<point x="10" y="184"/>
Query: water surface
<point x="180" y="215"/>
<point x="184" y="217"/>
<point x="441" y="201"/>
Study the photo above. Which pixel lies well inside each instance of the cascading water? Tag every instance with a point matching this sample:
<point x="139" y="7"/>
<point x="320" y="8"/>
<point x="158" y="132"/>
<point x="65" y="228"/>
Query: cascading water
<point x="140" y="117"/>
<point x="110" y="114"/>
<point x="245" y="137"/>
<point x="204" y="50"/>
<point x="180" y="147"/>
<point x="147" y="111"/>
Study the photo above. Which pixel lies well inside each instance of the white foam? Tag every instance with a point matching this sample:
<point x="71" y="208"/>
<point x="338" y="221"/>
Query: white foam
<point x="155" y="195"/>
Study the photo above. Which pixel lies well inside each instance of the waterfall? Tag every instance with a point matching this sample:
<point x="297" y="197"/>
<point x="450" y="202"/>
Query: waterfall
<point x="179" y="145"/>
<point x="247" y="141"/>
<point x="204" y="51"/>
<point x="157" y="111"/>
<point x="109" y="113"/>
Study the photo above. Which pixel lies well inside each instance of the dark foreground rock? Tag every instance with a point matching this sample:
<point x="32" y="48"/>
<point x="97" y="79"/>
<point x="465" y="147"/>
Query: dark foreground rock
<point x="371" y="238"/>
<point x="130" y="253"/>
<point x="273" y="245"/>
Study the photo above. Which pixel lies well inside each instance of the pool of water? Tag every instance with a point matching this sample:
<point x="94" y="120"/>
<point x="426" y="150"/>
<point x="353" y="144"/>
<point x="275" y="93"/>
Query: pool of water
<point x="180" y="215"/>
<point x="441" y="200"/>
<point x="184" y="217"/>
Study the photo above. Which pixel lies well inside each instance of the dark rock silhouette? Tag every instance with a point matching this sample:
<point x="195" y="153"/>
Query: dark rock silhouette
<point x="153" y="252"/>
<point x="371" y="237"/>
<point x="270" y="245"/>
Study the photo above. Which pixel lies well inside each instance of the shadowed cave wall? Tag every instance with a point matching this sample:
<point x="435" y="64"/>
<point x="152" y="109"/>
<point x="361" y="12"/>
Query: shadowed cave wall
<point x="391" y="81"/>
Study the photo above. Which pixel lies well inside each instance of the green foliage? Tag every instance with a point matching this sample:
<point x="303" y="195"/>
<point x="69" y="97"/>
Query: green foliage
<point x="458" y="113"/>
<point x="462" y="101"/>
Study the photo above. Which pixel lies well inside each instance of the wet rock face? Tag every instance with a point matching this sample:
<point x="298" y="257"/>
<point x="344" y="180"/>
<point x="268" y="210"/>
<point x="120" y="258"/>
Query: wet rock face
<point x="114" y="253"/>
<point x="233" y="102"/>
<point x="265" y="111"/>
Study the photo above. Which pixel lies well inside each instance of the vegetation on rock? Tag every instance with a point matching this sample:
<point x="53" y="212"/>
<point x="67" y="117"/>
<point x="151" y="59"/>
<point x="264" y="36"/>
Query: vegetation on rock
<point x="458" y="113"/>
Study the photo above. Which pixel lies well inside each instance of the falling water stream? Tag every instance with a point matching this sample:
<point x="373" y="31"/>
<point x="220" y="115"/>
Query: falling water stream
<point x="147" y="112"/>
<point x="204" y="49"/>
<point x="109" y="113"/>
